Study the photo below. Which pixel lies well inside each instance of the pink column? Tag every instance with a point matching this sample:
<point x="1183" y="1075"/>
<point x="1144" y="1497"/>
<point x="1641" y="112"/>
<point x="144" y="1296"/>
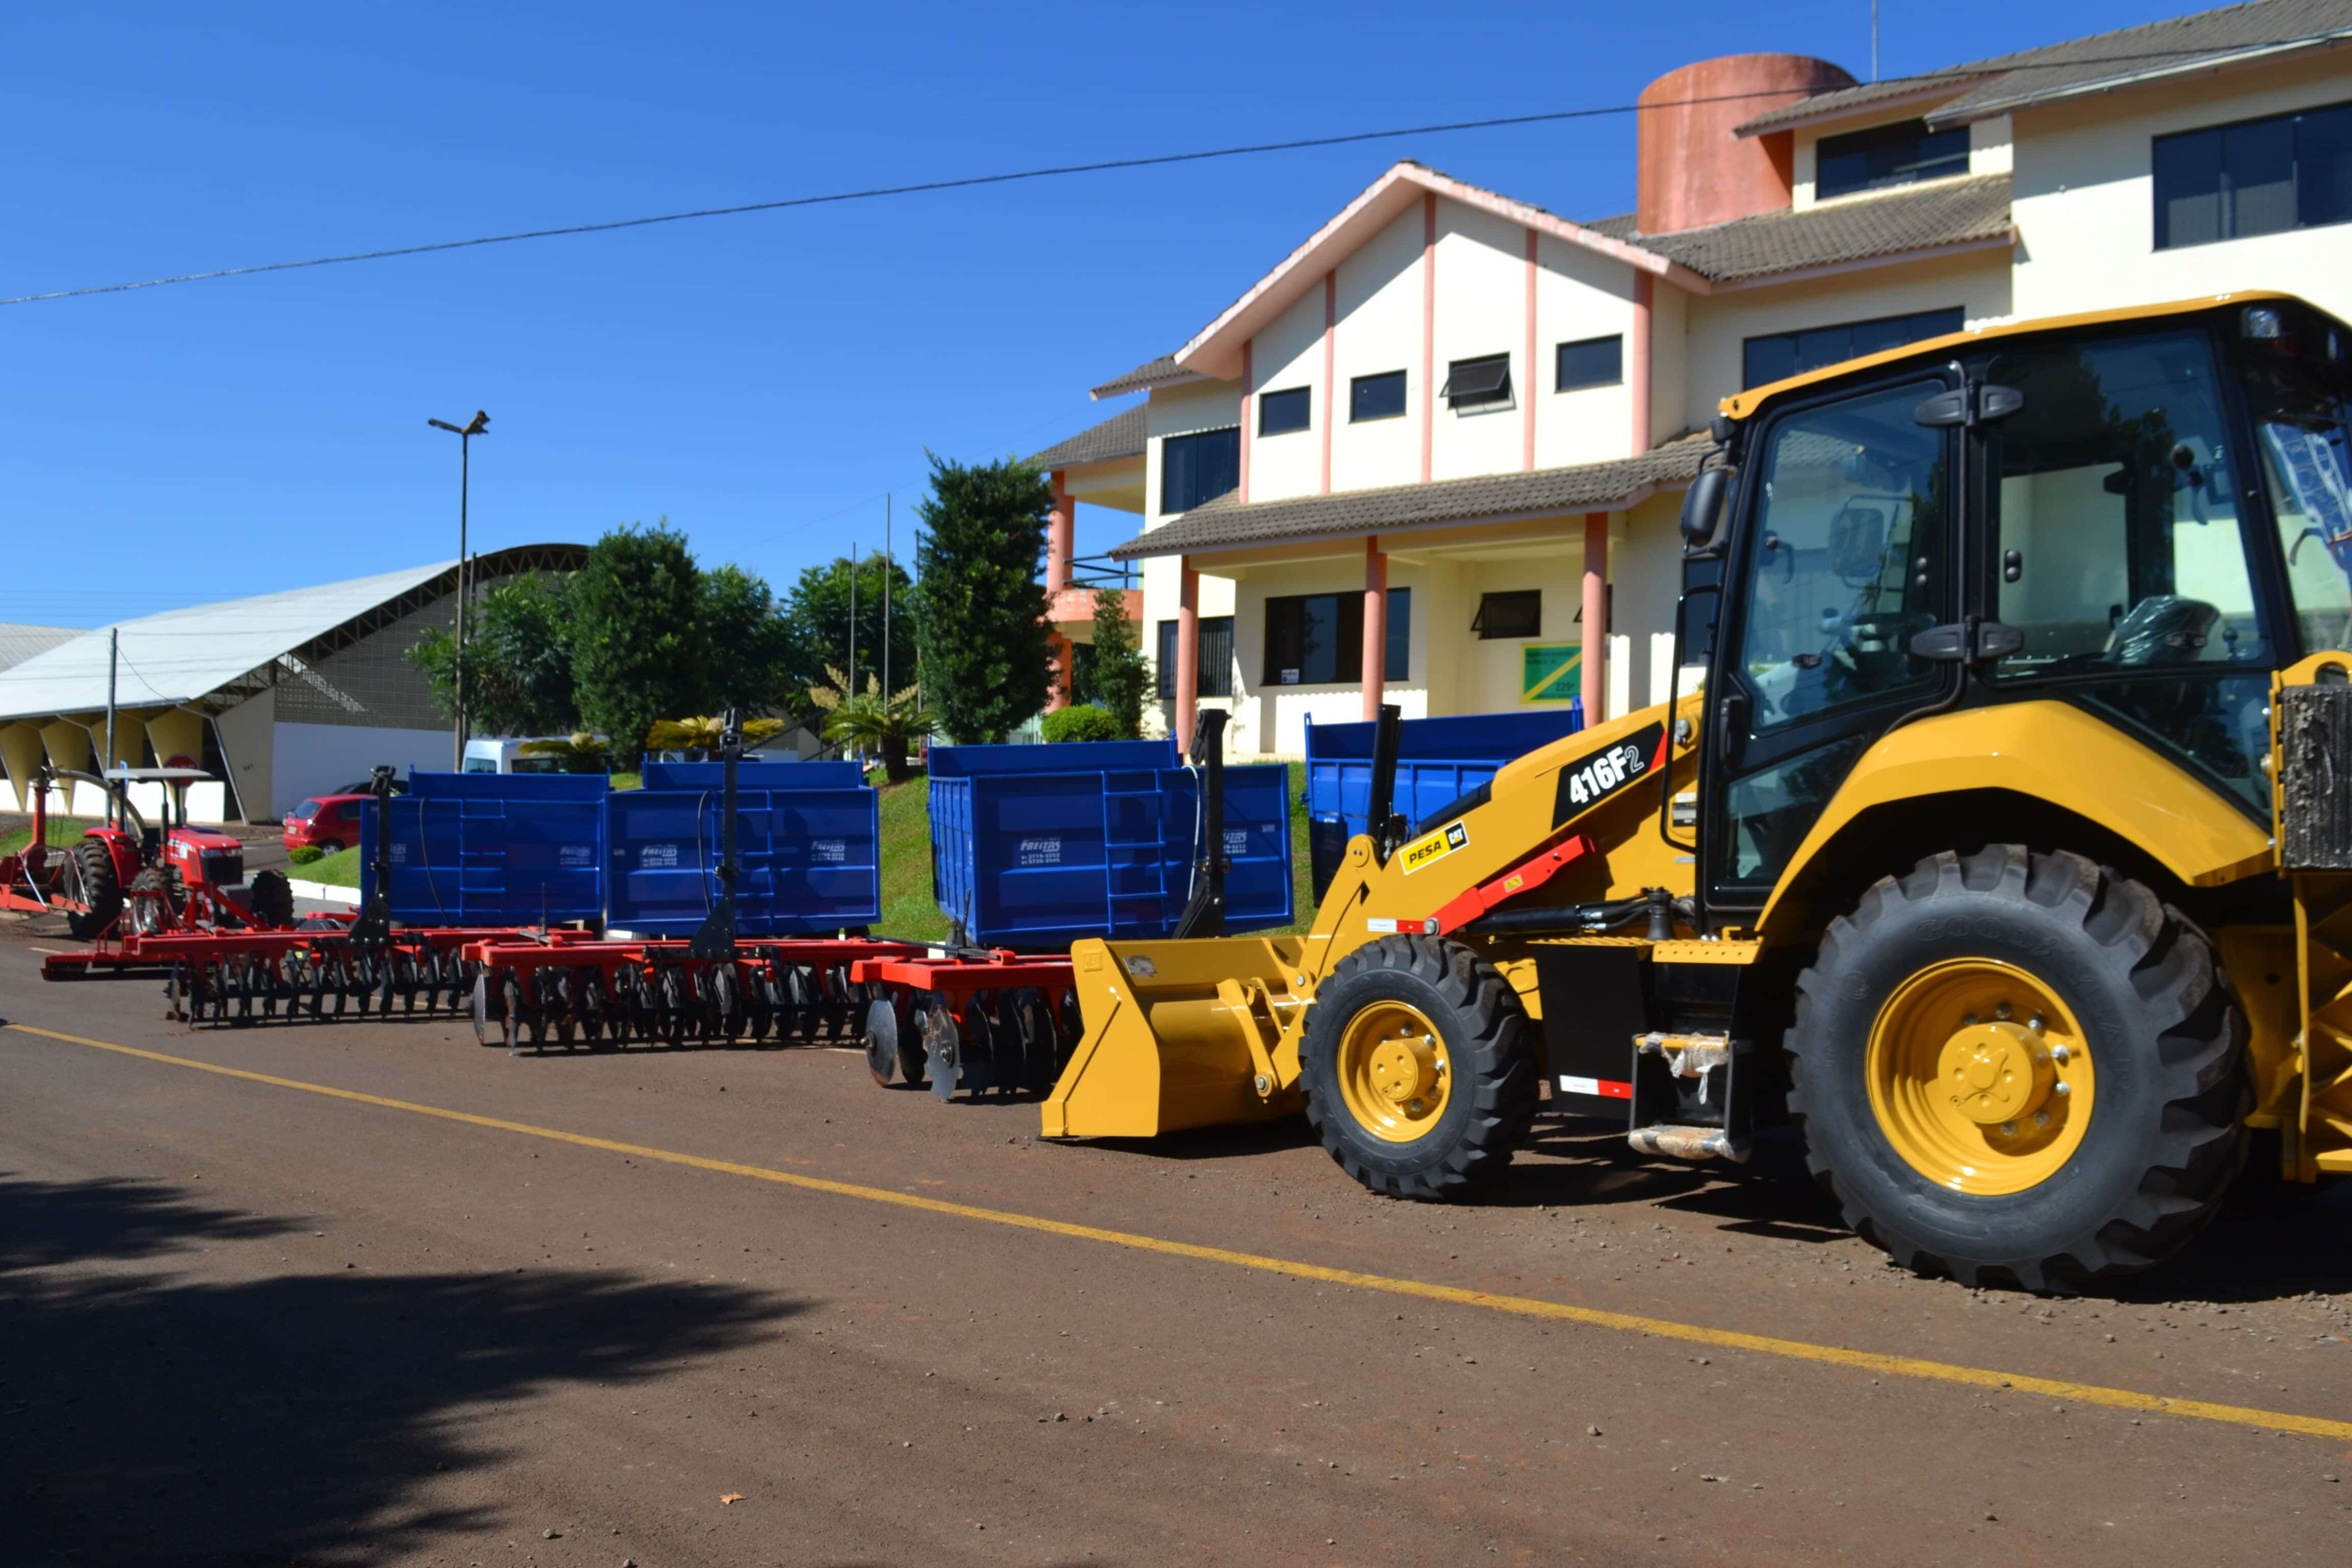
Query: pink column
<point x="1061" y="532"/>
<point x="1059" y="694"/>
<point x="1249" y="399"/>
<point x="1376" y="625"/>
<point x="1637" y="353"/>
<point x="1187" y="654"/>
<point x="1596" y="613"/>
<point x="1428" y="332"/>
<point x="1331" y="333"/>
<point x="1529" y="372"/>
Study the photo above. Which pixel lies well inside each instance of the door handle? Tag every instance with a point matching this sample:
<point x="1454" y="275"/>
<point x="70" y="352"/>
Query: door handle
<point x="1731" y="725"/>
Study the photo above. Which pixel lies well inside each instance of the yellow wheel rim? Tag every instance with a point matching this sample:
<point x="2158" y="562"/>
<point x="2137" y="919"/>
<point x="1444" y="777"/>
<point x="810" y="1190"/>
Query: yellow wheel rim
<point x="1394" y="1075"/>
<point x="1979" y="1077"/>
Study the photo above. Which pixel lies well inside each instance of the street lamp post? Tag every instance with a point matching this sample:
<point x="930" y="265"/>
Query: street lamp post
<point x="479" y="425"/>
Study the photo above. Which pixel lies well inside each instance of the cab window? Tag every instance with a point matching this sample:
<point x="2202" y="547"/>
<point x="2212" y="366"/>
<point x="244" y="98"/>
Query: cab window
<point x="2299" y="415"/>
<point x="1846" y="563"/>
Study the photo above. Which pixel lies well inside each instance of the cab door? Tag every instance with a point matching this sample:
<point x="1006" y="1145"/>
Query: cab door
<point x="1843" y="555"/>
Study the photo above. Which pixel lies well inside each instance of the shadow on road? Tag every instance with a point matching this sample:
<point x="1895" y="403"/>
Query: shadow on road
<point x="289" y="1419"/>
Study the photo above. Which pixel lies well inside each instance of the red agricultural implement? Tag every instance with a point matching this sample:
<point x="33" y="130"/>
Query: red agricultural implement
<point x="965" y="1019"/>
<point x="125" y="877"/>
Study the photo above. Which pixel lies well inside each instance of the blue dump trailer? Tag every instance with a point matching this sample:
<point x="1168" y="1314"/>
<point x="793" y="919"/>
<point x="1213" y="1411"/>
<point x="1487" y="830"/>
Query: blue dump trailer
<point x="491" y="849"/>
<point x="808" y="840"/>
<point x="1034" y="848"/>
<point x="1439" y="761"/>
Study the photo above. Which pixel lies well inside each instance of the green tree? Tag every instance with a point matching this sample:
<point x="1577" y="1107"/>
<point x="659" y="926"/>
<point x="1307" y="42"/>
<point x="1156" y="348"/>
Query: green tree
<point x="637" y="650"/>
<point x="982" y="624"/>
<point x="518" y="659"/>
<point x="746" y="641"/>
<point x="817" y="631"/>
<point x="1119" y="680"/>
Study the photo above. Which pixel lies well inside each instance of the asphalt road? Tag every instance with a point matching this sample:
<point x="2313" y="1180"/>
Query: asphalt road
<point x="248" y="1322"/>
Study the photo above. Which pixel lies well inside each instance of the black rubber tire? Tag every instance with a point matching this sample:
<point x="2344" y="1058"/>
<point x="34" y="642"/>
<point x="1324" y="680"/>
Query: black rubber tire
<point x="102" y="889"/>
<point x="151" y="911"/>
<point x="2168" y="1131"/>
<point x="272" y="899"/>
<point x="1488" y="1041"/>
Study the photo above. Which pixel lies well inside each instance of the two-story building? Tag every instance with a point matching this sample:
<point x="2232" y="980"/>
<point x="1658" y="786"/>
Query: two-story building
<point x="1435" y="456"/>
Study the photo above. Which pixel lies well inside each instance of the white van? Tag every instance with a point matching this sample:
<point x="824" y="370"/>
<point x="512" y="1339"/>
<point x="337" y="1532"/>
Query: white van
<point x="506" y="757"/>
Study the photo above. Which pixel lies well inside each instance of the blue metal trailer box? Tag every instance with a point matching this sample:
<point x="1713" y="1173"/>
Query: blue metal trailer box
<point x="492" y="849"/>
<point x="1439" y="761"/>
<point x="808" y="844"/>
<point x="1035" y="847"/>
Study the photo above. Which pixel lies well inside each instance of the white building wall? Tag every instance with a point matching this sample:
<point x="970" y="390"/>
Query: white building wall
<point x="1378" y="330"/>
<point x="1719" y="324"/>
<point x="2086" y="204"/>
<point x="1180" y="411"/>
<point x="1481" y="310"/>
<point x="1289" y="354"/>
<point x="1578" y="295"/>
<point x="312" y="759"/>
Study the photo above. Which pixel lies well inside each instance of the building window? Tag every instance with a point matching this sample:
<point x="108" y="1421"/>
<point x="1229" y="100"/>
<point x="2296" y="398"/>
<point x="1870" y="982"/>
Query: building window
<point x="2258" y="176"/>
<point x="1196" y="468"/>
<point x="1217" y="657"/>
<point x="1780" y="354"/>
<point x="1887" y="156"/>
<point x="1517" y="614"/>
<point x="1280" y="413"/>
<point x="1318" y="639"/>
<point x="1483" y="382"/>
<point x="1590" y="362"/>
<point x="1376" y="397"/>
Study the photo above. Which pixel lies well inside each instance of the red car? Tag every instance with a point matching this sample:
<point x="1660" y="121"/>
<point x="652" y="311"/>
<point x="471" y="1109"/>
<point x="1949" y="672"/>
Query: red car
<point x="325" y="823"/>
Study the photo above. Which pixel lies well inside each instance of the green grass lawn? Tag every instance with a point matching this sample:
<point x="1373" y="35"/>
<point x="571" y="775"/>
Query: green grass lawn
<point x="909" y="911"/>
<point x="340" y="869"/>
<point x="62" y="831"/>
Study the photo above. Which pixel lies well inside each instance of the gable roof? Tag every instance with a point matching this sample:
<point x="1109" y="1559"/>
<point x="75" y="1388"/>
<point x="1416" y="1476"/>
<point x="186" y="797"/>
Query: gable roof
<point x="20" y="641"/>
<point x="1226" y="524"/>
<point x="1982" y="89"/>
<point x="1942" y="216"/>
<point x="1126" y="434"/>
<point x="1162" y="372"/>
<point x="1216" y="349"/>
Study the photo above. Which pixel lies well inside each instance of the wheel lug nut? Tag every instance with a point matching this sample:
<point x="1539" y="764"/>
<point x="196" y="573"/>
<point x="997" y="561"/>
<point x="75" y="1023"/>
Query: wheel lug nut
<point x="2042" y="1118"/>
<point x="2002" y="1011"/>
<point x="2061" y="1055"/>
<point x="2009" y="1128"/>
<point x="2035" y="1023"/>
<point x="2061" y="1089"/>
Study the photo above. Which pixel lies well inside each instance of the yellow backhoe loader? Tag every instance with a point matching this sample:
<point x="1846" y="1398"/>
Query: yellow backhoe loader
<point x="1998" y="834"/>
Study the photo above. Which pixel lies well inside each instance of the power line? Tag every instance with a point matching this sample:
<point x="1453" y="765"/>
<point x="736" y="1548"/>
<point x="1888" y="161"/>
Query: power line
<point x="1159" y="160"/>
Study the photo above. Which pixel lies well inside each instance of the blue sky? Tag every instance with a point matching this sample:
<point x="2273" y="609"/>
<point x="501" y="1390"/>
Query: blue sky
<point x="759" y="379"/>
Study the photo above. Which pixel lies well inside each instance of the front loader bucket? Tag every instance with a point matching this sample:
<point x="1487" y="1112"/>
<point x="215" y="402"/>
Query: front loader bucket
<point x="1176" y="1036"/>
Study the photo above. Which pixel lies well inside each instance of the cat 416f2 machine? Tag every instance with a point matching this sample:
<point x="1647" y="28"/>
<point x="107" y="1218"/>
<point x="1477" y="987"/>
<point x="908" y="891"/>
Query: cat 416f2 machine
<point x="2003" y="847"/>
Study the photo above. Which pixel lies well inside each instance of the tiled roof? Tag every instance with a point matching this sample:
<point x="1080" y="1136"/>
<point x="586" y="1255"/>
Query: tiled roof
<point x="1923" y="217"/>
<point x="1152" y="372"/>
<point x="1225" y="523"/>
<point x="2011" y="81"/>
<point x="1123" y="434"/>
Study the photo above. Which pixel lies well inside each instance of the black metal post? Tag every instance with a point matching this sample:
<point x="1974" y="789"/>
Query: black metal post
<point x="1204" y="914"/>
<point x="374" y="922"/>
<point x="1387" y="831"/>
<point x="716" y="938"/>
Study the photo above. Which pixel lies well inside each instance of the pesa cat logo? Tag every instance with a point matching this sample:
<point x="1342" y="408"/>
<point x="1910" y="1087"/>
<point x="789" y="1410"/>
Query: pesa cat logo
<point x="1428" y="851"/>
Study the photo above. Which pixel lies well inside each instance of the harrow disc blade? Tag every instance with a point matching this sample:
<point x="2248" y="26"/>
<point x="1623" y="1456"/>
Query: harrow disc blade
<point x="487" y="1011"/>
<point x="881" y="1040"/>
<point x="943" y="1050"/>
<point x="1026" y="1012"/>
<point x="1007" y="1058"/>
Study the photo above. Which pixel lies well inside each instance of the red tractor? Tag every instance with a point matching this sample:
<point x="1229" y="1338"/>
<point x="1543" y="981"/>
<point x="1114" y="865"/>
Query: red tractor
<point x="125" y="876"/>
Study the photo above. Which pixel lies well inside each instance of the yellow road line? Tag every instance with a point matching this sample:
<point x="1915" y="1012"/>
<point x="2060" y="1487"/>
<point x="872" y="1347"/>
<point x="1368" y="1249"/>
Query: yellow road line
<point x="1521" y="1306"/>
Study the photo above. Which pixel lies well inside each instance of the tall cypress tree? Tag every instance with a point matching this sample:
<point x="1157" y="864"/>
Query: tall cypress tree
<point x="1121" y="678"/>
<point x="982" y="624"/>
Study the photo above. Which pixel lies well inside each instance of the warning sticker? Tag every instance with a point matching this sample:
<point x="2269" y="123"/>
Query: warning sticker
<point x="1436" y="847"/>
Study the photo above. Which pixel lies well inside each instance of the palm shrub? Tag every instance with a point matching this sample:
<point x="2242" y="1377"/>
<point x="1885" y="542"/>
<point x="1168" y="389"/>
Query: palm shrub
<point x="867" y="719"/>
<point x="581" y="751"/>
<point x="700" y="737"/>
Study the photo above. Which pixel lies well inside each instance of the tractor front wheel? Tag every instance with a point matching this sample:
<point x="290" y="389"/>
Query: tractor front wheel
<point x="2020" y="1069"/>
<point x="272" y="900"/>
<point x="1419" y="1068"/>
<point x="96" y="888"/>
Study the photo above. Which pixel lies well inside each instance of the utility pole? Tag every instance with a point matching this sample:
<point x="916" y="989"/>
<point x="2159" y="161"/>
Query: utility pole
<point x="113" y="650"/>
<point x="479" y="425"/>
<point x="886" y="600"/>
<point x="853" y="625"/>
<point x="1874" y="40"/>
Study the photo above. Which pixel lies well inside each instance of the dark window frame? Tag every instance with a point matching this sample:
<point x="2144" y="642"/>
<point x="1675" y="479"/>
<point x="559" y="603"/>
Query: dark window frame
<point x="1226" y="473"/>
<point x="1501" y="612"/>
<point x="1214" y="637"/>
<point x="1479" y="383"/>
<point x="2312" y="203"/>
<point x="1379" y="381"/>
<point x="1347" y="618"/>
<point x="1300" y="398"/>
<point x="1810" y="348"/>
<point x="1878" y="147"/>
<point x="1560" y="361"/>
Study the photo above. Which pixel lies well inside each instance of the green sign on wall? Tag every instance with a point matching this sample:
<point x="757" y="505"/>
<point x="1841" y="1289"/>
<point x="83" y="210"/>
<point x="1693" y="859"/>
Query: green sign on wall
<point x="1551" y="672"/>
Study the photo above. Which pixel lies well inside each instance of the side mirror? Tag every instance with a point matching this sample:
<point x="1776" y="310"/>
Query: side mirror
<point x="1702" y="505"/>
